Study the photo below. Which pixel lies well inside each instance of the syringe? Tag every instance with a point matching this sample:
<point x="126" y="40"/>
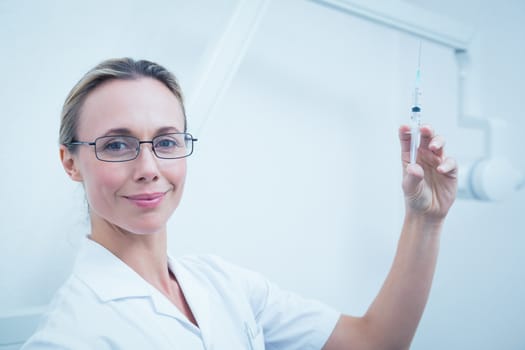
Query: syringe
<point x="415" y="116"/>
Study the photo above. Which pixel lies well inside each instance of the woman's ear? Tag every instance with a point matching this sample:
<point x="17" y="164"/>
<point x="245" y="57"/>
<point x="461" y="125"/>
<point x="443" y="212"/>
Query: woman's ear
<point x="70" y="164"/>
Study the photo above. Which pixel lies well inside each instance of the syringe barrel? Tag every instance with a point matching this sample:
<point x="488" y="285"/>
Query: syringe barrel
<point x="415" y="123"/>
<point x="415" y="115"/>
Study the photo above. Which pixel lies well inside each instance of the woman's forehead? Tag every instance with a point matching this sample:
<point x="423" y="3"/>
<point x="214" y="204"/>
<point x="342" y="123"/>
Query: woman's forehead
<point x="140" y="105"/>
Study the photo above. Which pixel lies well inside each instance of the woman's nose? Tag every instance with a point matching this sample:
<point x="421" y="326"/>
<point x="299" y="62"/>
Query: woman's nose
<point x="146" y="166"/>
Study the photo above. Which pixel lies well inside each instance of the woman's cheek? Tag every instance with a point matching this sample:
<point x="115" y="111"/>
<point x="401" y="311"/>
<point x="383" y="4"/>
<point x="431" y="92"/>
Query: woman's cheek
<point x="105" y="183"/>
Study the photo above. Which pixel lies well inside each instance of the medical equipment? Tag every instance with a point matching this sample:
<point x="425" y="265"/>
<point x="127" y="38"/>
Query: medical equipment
<point x="491" y="175"/>
<point x="415" y="116"/>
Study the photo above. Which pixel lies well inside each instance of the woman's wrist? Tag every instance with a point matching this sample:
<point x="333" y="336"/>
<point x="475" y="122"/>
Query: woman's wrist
<point x="423" y="222"/>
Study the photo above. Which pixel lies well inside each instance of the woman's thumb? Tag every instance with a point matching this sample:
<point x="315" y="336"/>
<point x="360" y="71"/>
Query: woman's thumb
<point x="412" y="182"/>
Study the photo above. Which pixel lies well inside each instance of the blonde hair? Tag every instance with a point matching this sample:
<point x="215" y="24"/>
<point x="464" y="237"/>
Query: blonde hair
<point x="117" y="68"/>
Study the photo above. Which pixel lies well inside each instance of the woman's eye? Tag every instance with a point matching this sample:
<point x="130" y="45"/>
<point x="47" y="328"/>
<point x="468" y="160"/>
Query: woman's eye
<point x="116" y="146"/>
<point x="166" y="143"/>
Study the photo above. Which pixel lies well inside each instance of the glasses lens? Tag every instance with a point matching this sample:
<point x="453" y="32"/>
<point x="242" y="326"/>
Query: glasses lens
<point x="116" y="148"/>
<point x="173" y="145"/>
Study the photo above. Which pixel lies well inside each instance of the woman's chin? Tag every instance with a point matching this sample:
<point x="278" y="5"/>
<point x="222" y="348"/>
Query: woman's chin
<point x="144" y="228"/>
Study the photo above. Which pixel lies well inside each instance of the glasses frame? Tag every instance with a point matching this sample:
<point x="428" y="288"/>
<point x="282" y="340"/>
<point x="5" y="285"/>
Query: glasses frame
<point x="187" y="137"/>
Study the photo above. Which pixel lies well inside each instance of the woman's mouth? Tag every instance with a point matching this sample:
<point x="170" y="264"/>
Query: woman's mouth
<point x="147" y="200"/>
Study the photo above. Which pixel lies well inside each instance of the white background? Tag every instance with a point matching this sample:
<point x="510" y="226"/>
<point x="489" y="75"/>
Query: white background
<point x="296" y="174"/>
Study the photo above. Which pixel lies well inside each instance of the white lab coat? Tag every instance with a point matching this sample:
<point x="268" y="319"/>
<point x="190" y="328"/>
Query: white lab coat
<point x="107" y="305"/>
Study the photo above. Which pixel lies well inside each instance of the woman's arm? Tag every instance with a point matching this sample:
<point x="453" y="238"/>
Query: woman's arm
<point x="430" y="189"/>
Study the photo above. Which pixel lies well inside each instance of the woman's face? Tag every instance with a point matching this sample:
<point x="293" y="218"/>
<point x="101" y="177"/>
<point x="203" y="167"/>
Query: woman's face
<point x="138" y="195"/>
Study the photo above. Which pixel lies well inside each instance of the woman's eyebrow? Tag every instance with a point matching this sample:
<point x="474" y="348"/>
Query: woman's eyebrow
<point x="167" y="130"/>
<point x="128" y="132"/>
<point x="118" y="131"/>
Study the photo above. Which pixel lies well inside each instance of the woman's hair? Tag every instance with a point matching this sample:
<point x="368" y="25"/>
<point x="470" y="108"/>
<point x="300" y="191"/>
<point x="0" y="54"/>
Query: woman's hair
<point x="112" y="69"/>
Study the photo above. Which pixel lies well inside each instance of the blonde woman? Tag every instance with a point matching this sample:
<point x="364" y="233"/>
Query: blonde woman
<point x="123" y="135"/>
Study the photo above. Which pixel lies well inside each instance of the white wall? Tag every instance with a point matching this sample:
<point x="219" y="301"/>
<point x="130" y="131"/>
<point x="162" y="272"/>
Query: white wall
<point x="297" y="173"/>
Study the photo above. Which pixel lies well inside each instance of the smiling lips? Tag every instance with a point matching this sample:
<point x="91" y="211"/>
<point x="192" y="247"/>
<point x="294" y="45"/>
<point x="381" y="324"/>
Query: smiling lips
<point x="147" y="200"/>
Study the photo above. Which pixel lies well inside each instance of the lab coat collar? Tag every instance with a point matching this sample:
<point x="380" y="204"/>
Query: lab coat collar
<point x="108" y="276"/>
<point x="197" y="297"/>
<point x="111" y="279"/>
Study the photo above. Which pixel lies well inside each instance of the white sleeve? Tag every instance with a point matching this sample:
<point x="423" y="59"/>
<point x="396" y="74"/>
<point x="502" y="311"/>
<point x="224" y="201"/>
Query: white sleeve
<point x="288" y="320"/>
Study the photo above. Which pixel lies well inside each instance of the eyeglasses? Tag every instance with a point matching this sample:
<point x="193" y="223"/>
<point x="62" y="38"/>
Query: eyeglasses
<point x="119" y="148"/>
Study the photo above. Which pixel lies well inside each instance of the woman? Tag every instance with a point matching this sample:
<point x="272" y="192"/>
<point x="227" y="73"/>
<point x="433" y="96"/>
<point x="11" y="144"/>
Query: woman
<point x="123" y="136"/>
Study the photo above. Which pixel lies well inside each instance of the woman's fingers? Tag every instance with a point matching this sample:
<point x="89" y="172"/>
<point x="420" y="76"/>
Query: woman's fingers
<point x="429" y="141"/>
<point x="413" y="178"/>
<point x="437" y="145"/>
<point x="427" y="134"/>
<point x="448" y="167"/>
<point x="404" y="138"/>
